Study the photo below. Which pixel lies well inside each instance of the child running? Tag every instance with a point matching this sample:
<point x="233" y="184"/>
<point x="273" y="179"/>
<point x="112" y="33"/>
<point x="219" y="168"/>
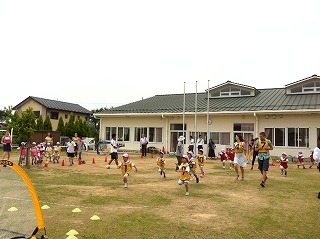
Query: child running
<point x="184" y="170"/>
<point x="201" y="159"/>
<point x="301" y="159"/>
<point x="161" y="162"/>
<point x="312" y="162"/>
<point x="223" y="157"/>
<point x="126" y="168"/>
<point x="193" y="165"/>
<point x="230" y="153"/>
<point x="284" y="164"/>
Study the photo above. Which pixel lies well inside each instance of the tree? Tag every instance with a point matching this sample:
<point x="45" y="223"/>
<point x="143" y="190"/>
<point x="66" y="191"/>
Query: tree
<point x="69" y="127"/>
<point x="24" y="125"/>
<point x="40" y="125"/>
<point x="47" y="124"/>
<point x="60" y="127"/>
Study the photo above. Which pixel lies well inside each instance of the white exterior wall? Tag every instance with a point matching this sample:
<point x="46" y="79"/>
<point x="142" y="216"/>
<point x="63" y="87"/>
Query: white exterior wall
<point x="220" y="123"/>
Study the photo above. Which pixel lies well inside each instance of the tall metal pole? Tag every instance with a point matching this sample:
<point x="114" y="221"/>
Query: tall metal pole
<point x="208" y="106"/>
<point x="195" y="115"/>
<point x="184" y="109"/>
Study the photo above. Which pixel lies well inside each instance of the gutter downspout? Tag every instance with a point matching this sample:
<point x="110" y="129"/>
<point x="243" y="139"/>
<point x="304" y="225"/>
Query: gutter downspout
<point x="256" y="124"/>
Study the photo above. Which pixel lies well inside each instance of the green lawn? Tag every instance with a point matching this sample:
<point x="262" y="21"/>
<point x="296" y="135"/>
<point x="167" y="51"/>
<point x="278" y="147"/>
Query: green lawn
<point x="154" y="207"/>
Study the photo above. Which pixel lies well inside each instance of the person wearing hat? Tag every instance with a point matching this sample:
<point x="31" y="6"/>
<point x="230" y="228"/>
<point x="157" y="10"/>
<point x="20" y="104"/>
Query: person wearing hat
<point x="126" y="168"/>
<point x="193" y="165"/>
<point x="34" y="153"/>
<point x="301" y="158"/>
<point x="284" y="164"/>
<point x="161" y="162"/>
<point x="179" y="150"/>
<point x="184" y="170"/>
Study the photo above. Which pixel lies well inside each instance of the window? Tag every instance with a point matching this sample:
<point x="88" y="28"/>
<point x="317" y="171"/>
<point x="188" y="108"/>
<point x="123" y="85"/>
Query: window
<point x="37" y="113"/>
<point x="298" y="137"/>
<point x="203" y="134"/>
<point x="138" y="131"/>
<point x="66" y="116"/>
<point x="54" y="115"/>
<point x="123" y="134"/>
<point x="178" y="127"/>
<point x="276" y="135"/>
<point x="295" y="137"/>
<point x="155" y="134"/>
<point x="231" y="91"/>
<point x="110" y="131"/>
<point x="220" y="137"/>
<point x="243" y="127"/>
<point x="310" y="87"/>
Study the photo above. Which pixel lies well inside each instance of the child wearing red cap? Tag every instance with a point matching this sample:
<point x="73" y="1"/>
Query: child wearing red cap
<point x="126" y="168"/>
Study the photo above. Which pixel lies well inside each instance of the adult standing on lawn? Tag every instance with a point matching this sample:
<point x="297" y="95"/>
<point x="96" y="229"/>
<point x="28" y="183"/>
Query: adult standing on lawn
<point x="200" y="142"/>
<point x="143" y="144"/>
<point x="211" y="147"/>
<point x="6" y="141"/>
<point x="263" y="146"/>
<point x="191" y="144"/>
<point x="49" y="139"/>
<point x="70" y="150"/>
<point x="179" y="151"/>
<point x="114" y="151"/>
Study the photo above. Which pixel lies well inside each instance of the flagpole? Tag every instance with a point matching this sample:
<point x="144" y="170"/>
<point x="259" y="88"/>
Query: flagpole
<point x="184" y="109"/>
<point x="195" y="116"/>
<point x="208" y="106"/>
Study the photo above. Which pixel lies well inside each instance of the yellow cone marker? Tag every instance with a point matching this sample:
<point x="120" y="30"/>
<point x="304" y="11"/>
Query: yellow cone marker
<point x="76" y="210"/>
<point x="12" y="209"/>
<point x="72" y="237"/>
<point x="45" y="207"/>
<point x="72" y="233"/>
<point x="95" y="218"/>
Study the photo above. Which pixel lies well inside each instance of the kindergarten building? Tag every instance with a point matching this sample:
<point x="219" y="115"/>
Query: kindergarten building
<point x="290" y="116"/>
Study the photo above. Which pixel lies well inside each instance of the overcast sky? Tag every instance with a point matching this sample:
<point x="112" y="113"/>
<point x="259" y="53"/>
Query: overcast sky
<point x="109" y="53"/>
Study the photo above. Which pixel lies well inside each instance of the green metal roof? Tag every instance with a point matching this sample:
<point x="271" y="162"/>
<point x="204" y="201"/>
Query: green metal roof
<point x="265" y="100"/>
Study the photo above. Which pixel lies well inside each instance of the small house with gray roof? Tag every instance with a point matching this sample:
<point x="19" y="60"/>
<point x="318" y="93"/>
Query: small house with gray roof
<point x="290" y="116"/>
<point x="54" y="109"/>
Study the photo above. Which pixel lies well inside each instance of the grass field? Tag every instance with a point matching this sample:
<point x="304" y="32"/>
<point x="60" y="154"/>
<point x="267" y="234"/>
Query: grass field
<point x="154" y="207"/>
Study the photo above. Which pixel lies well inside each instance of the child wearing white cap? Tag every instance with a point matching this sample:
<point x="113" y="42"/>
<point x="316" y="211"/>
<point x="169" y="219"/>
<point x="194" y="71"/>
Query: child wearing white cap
<point x="193" y="165"/>
<point x="223" y="157"/>
<point x="201" y="158"/>
<point x="126" y="168"/>
<point x="184" y="170"/>
<point x="284" y="164"/>
<point x="301" y="159"/>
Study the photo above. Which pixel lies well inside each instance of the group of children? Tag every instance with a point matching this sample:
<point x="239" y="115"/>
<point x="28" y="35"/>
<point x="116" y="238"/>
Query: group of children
<point x="40" y="153"/>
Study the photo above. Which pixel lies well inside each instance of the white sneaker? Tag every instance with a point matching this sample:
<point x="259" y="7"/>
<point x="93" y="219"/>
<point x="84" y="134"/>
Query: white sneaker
<point x="187" y="193"/>
<point x="126" y="185"/>
<point x="224" y="167"/>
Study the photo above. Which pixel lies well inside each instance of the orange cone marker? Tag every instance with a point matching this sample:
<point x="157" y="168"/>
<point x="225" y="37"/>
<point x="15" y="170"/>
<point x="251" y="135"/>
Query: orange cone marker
<point x="93" y="162"/>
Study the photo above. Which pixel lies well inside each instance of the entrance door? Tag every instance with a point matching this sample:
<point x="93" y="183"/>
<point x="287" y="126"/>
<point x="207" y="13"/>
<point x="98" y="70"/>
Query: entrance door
<point x="174" y="140"/>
